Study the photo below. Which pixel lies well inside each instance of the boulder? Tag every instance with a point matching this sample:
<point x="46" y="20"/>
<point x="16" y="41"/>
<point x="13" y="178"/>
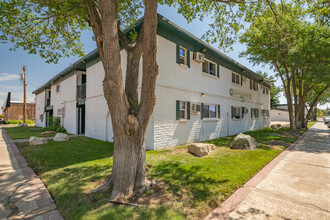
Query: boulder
<point x="47" y="132"/>
<point x="61" y="137"/>
<point x="37" y="141"/>
<point x="244" y="142"/>
<point x="201" y="149"/>
<point x="23" y="125"/>
<point x="276" y="126"/>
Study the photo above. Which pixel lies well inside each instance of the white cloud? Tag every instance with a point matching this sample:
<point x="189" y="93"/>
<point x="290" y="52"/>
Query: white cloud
<point x="8" y="77"/>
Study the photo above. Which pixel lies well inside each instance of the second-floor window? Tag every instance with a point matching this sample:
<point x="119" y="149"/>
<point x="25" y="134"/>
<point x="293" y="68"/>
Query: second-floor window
<point x="253" y="85"/>
<point x="210" y="68"/>
<point x="236" y="78"/>
<point x="265" y="90"/>
<point x="58" y="88"/>
<point x="183" y="55"/>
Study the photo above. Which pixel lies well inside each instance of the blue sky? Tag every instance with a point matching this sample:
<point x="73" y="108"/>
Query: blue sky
<point x="39" y="72"/>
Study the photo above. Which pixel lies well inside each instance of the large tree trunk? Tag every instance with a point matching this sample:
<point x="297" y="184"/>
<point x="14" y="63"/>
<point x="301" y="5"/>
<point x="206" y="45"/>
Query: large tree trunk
<point x="130" y="118"/>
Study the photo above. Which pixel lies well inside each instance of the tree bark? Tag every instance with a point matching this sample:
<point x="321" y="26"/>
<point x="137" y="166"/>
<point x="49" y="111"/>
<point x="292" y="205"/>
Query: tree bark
<point x="130" y="118"/>
<point x="314" y="104"/>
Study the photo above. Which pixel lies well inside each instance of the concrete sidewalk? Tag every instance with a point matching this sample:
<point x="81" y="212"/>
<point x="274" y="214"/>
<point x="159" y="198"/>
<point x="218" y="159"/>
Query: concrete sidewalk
<point x="22" y="193"/>
<point x="295" y="185"/>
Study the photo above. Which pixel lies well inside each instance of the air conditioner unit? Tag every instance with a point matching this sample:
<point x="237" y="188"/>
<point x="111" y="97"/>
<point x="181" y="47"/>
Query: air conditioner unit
<point x="199" y="57"/>
<point x="246" y="110"/>
<point x="196" y="108"/>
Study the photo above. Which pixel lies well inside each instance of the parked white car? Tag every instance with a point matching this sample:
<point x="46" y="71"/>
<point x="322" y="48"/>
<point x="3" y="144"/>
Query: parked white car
<point x="326" y="119"/>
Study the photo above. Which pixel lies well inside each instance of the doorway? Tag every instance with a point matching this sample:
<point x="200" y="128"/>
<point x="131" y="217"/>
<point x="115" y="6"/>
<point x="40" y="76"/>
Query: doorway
<point x="81" y="119"/>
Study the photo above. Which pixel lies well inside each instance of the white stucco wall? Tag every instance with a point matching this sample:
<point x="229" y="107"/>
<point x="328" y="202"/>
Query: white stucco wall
<point x="40" y="109"/>
<point x="278" y="115"/>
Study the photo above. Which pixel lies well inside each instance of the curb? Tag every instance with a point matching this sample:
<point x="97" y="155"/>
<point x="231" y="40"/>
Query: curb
<point x="40" y="193"/>
<point x="230" y="204"/>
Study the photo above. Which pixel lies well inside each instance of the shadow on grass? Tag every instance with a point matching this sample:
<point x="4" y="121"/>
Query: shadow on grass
<point x="56" y="155"/>
<point x="189" y="177"/>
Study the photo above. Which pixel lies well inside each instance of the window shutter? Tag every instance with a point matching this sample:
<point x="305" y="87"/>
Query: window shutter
<point x="232" y="112"/>
<point x="177" y="54"/>
<point x="218" y="111"/>
<point x="202" y="109"/>
<point x="243" y="110"/>
<point x="188" y="58"/>
<point x="251" y="112"/>
<point x="218" y="72"/>
<point x="250" y="83"/>
<point x="177" y="110"/>
<point x="188" y="110"/>
<point x="241" y="80"/>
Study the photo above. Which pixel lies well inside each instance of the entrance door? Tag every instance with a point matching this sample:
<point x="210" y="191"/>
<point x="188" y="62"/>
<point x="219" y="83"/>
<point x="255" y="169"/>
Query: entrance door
<point x="81" y="119"/>
<point x="49" y="114"/>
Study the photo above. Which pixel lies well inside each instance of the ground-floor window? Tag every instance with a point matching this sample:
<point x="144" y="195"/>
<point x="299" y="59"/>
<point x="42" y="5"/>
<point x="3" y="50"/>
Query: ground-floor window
<point x="265" y="113"/>
<point x="182" y="110"/>
<point x="254" y="113"/>
<point x="210" y="111"/>
<point x="236" y="112"/>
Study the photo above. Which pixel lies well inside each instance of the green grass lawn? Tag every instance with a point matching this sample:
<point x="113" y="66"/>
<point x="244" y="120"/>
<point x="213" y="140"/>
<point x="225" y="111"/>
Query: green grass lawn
<point x="193" y="186"/>
<point x="23" y="133"/>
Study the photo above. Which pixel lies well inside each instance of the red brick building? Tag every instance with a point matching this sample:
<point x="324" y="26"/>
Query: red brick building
<point x="13" y="110"/>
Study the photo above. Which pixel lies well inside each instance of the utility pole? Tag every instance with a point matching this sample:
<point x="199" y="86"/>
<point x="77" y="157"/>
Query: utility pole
<point x="24" y="98"/>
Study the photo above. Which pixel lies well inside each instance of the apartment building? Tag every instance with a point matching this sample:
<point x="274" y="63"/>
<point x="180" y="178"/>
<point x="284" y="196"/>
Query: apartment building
<point x="201" y="94"/>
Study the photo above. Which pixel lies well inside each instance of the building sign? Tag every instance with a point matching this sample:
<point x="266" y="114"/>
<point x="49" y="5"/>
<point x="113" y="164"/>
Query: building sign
<point x="239" y="94"/>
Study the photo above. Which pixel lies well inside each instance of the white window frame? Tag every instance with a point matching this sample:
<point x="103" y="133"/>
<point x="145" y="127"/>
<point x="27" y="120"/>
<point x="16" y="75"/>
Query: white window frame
<point x="216" y="111"/>
<point x="185" y="110"/>
<point x="208" y="67"/>
<point x="240" y="113"/>
<point x="58" y="88"/>
<point x="240" y="78"/>
<point x="184" y="57"/>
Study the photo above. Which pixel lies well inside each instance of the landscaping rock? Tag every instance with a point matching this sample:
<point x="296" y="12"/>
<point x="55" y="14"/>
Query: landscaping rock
<point x="244" y="142"/>
<point x="23" y="125"/>
<point x="47" y="132"/>
<point x="201" y="149"/>
<point x="37" y="141"/>
<point x="153" y="182"/>
<point x="61" y="137"/>
<point x="276" y="126"/>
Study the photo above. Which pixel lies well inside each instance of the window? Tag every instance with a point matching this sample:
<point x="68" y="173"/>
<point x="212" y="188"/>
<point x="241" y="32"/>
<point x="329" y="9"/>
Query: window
<point x="265" y="90"/>
<point x="236" y="78"/>
<point x="210" y="68"/>
<point x="182" y="110"/>
<point x="253" y="85"/>
<point x="183" y="55"/>
<point x="58" y="88"/>
<point x="236" y="112"/>
<point x="254" y="113"/>
<point x="265" y="113"/>
<point x="210" y="111"/>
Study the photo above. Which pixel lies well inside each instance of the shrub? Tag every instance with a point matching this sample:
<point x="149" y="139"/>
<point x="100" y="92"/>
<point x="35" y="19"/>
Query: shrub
<point x="1" y="116"/>
<point x="55" y="125"/>
<point x="20" y="121"/>
<point x="14" y="122"/>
